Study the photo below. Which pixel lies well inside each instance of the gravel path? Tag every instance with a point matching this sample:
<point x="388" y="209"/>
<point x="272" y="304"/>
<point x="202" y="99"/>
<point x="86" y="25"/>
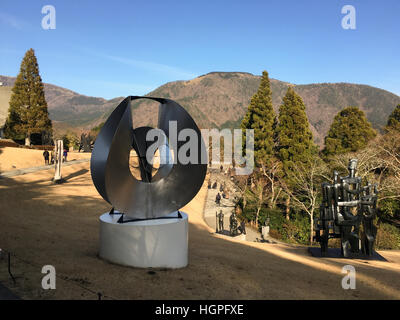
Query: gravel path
<point x="19" y="172"/>
<point x="227" y="205"/>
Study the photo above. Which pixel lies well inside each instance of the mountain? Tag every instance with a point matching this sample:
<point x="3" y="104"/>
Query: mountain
<point x="67" y="109"/>
<point x="5" y="94"/>
<point x="220" y="99"/>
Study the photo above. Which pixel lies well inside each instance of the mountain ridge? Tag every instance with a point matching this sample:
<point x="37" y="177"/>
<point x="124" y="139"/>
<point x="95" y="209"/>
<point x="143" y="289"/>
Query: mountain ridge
<point x="220" y="99"/>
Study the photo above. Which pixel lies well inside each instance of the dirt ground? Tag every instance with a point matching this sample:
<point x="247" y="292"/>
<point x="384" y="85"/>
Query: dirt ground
<point x="19" y="158"/>
<point x="46" y="224"/>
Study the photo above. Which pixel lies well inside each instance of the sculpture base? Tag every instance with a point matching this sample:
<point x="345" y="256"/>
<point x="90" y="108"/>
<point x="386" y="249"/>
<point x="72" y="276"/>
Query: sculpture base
<point x="227" y="234"/>
<point x="336" y="253"/>
<point x="158" y="243"/>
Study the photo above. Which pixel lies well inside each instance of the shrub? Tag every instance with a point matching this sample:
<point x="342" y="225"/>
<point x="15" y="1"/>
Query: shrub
<point x="389" y="208"/>
<point x="276" y="218"/>
<point x="297" y="230"/>
<point x="275" y="234"/>
<point x="387" y="237"/>
<point x="249" y="213"/>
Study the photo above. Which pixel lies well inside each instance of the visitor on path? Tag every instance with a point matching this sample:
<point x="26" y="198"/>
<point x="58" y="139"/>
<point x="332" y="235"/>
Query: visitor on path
<point x="52" y="157"/>
<point x="65" y="154"/>
<point x="218" y="199"/>
<point x="46" y="157"/>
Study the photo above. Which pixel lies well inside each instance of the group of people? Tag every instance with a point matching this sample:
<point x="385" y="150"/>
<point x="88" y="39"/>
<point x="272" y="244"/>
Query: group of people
<point x="49" y="157"/>
<point x="222" y="194"/>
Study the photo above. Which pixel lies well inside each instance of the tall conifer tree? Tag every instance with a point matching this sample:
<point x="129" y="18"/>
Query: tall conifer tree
<point x="349" y="132"/>
<point x="394" y="119"/>
<point x="27" y="113"/>
<point x="295" y="139"/>
<point x="261" y="117"/>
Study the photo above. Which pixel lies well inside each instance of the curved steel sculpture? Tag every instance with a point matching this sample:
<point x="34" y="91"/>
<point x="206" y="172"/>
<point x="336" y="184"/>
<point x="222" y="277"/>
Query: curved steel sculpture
<point x="174" y="184"/>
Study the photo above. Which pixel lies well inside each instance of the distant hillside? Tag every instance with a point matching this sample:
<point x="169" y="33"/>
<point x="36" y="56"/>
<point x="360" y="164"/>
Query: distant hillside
<point x="69" y="107"/>
<point x="220" y="99"/>
<point x="5" y="94"/>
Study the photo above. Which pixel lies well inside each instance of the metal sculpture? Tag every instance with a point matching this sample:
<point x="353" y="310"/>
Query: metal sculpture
<point x="86" y="143"/>
<point x="220" y="224"/>
<point x="58" y="161"/>
<point x="174" y="184"/>
<point x="233" y="225"/>
<point x="341" y="200"/>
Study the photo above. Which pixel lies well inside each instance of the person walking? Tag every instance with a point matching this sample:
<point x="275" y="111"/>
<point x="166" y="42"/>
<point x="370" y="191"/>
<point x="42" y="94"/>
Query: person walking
<point x="52" y="156"/>
<point x="218" y="199"/>
<point x="46" y="157"/>
<point x="65" y="154"/>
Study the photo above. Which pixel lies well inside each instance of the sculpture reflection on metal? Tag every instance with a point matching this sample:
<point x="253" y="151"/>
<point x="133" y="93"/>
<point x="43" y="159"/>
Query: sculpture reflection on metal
<point x="337" y="220"/>
<point x="174" y="184"/>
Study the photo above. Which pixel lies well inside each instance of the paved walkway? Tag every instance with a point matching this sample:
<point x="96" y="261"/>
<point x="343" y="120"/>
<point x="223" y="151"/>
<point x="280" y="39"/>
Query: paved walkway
<point x="227" y="205"/>
<point x="19" y="172"/>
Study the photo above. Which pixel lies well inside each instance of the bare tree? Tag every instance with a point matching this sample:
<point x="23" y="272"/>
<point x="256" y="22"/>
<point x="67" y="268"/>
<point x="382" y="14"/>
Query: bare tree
<point x="271" y="173"/>
<point x="258" y="192"/>
<point x="378" y="163"/>
<point x="305" y="187"/>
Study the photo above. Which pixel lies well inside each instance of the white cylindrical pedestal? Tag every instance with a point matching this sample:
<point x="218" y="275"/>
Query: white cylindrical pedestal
<point x="265" y="231"/>
<point x="145" y="244"/>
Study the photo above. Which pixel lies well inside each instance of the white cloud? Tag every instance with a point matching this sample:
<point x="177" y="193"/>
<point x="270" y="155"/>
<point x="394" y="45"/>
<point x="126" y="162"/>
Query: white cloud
<point x="177" y="73"/>
<point x="11" y="21"/>
<point x="134" y="87"/>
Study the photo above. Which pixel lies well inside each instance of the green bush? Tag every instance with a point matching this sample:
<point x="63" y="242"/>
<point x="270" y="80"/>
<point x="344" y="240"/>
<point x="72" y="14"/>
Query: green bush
<point x="249" y="213"/>
<point x="389" y="208"/>
<point x="387" y="237"/>
<point x="297" y="229"/>
<point x="276" y="218"/>
<point x="70" y="140"/>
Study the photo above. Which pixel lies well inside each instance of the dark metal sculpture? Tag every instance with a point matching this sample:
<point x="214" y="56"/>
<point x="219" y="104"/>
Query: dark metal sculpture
<point x="86" y="143"/>
<point x="220" y="225"/>
<point x="233" y="225"/>
<point x="346" y="204"/>
<point x="174" y="184"/>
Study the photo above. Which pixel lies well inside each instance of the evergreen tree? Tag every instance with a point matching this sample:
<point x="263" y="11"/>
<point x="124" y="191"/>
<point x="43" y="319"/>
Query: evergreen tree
<point x="27" y="113"/>
<point x="394" y="119"/>
<point x="295" y="139"/>
<point x="349" y="132"/>
<point x="261" y="117"/>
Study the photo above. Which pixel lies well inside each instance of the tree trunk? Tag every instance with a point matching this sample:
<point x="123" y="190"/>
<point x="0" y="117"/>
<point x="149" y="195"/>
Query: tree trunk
<point x="244" y="196"/>
<point x="287" y="204"/>
<point x="28" y="140"/>
<point x="257" y="214"/>
<point x="312" y="229"/>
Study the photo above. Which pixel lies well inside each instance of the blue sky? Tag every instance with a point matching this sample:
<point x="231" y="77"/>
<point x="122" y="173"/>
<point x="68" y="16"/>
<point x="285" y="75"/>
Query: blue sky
<point x="119" y="48"/>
